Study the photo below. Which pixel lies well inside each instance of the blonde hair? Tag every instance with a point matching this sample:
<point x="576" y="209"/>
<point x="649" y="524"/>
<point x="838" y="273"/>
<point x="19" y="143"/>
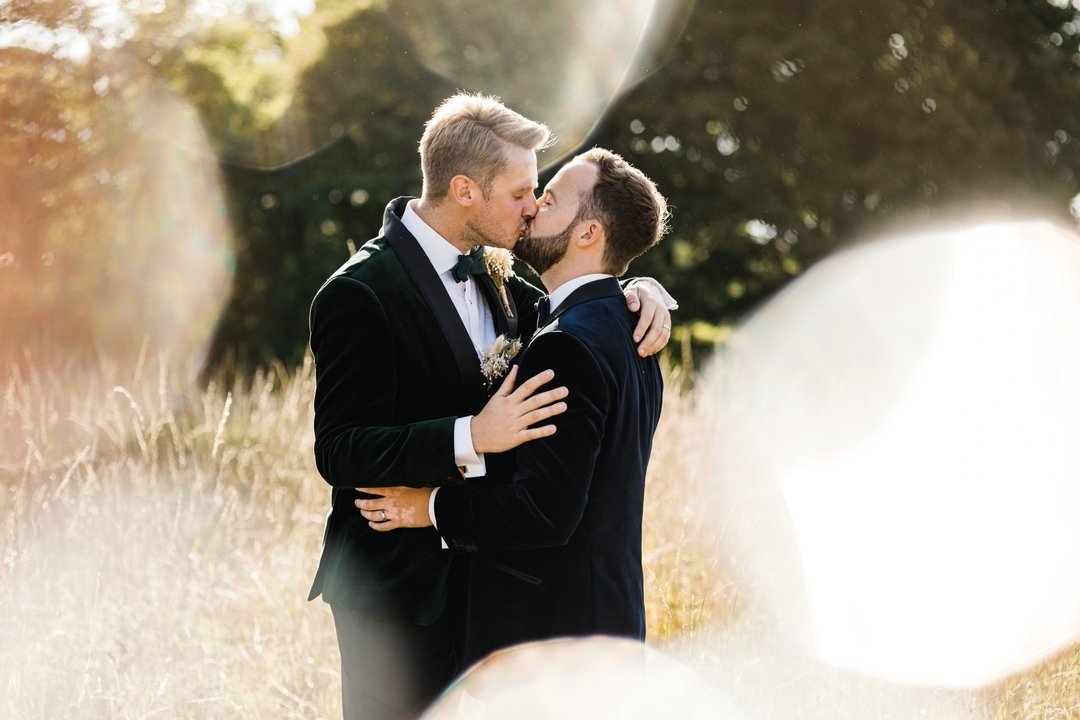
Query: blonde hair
<point x="467" y="135"/>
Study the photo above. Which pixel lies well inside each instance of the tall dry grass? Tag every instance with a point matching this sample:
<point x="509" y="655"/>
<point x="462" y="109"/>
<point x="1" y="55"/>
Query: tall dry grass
<point x="157" y="542"/>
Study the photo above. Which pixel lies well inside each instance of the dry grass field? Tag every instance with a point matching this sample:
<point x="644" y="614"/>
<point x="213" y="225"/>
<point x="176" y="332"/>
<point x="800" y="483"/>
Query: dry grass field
<point x="157" y="542"/>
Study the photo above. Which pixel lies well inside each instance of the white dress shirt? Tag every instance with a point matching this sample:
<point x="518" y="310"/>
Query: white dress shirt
<point x="475" y="316"/>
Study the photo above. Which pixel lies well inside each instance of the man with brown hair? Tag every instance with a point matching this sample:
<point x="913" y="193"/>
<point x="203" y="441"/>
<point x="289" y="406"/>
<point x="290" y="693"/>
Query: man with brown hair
<point x="556" y="541"/>
<point x="400" y="398"/>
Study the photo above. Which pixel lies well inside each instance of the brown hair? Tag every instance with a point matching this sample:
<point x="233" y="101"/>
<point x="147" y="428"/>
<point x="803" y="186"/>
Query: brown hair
<point x="627" y="203"/>
<point x="467" y="135"/>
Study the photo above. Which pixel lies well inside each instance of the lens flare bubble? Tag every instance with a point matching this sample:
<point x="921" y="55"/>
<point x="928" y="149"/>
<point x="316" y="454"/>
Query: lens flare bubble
<point x="900" y="477"/>
<point x="152" y="271"/>
<point x="581" y="677"/>
<point x="562" y="65"/>
<point x="183" y="274"/>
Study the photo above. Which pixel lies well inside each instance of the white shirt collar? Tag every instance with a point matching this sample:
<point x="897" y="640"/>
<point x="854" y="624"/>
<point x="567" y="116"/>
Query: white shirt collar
<point x="559" y="294"/>
<point x="440" y="252"/>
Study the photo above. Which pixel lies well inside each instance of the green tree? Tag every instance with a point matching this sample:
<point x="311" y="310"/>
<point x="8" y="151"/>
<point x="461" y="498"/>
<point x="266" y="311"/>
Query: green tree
<point x="779" y="130"/>
<point x="783" y="130"/>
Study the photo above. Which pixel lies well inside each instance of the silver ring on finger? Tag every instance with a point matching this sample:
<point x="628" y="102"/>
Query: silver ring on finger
<point x="382" y="515"/>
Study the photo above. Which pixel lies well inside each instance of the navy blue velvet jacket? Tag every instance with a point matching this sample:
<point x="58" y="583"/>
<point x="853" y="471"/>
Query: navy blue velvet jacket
<point x="555" y="532"/>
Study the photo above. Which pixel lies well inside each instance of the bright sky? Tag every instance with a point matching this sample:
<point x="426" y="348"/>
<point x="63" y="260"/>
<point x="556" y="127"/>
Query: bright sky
<point x="113" y="24"/>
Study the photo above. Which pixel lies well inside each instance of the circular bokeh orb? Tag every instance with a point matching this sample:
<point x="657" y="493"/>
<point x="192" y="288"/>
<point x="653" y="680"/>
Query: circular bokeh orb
<point x="895" y="453"/>
<point x="129" y="254"/>
<point x="581" y="677"/>
<point x="563" y="65"/>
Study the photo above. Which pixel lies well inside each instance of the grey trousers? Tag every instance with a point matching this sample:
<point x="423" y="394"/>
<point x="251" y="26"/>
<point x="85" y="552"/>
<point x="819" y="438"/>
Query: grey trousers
<point x="391" y="669"/>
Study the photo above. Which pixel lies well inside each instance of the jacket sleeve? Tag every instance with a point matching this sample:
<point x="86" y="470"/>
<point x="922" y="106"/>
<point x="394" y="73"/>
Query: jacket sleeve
<point x="357" y="384"/>
<point x="543" y="503"/>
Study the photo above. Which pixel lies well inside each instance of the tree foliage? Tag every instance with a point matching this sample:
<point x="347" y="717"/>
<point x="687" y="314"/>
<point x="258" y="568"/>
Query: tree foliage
<point x="780" y="131"/>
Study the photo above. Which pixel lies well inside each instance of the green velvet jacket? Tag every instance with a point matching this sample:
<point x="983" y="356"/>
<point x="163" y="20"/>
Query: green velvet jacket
<point x="394" y="369"/>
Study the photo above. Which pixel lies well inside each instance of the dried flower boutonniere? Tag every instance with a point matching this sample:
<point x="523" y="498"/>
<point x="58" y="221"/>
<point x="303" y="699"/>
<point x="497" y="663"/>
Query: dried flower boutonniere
<point x="500" y="266"/>
<point x="495" y="360"/>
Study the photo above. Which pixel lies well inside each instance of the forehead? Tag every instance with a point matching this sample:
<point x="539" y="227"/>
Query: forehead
<point x="520" y="170"/>
<point x="574" y="178"/>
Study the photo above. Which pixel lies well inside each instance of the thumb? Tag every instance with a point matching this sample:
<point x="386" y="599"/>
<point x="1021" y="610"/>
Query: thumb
<point x="633" y="302"/>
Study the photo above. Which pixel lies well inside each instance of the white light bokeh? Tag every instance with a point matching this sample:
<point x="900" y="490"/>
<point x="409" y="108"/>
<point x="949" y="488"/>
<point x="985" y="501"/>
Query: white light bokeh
<point x="562" y="66"/>
<point x="178" y="267"/>
<point x="901" y="474"/>
<point x="148" y="267"/>
<point x="582" y="677"/>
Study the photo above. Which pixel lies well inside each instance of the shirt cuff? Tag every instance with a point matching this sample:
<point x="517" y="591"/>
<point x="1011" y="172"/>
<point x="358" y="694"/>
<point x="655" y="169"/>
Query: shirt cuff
<point x="431" y="516"/>
<point x="669" y="302"/>
<point x="465" y="456"/>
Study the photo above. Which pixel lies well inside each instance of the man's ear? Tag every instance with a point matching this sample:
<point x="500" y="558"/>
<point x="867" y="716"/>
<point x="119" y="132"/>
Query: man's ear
<point x="590" y="234"/>
<point x="463" y="190"/>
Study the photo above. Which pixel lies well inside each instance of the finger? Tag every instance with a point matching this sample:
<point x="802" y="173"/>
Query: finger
<point x="373" y="491"/>
<point x="531" y="418"/>
<point x="533" y="384"/>
<point x="523" y="436"/>
<point x="369" y="504"/>
<point x="370" y="512"/>
<point x="633" y="302"/>
<point x="548" y="397"/>
<point x="384" y="526"/>
<point x="507" y="385"/>
<point x="654" y="341"/>
<point x="648" y="317"/>
<point x="536" y="433"/>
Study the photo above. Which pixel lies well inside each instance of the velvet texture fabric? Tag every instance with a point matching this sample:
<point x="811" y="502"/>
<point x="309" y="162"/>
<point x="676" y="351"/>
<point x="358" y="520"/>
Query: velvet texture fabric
<point x="394" y="369"/>
<point x="554" y="531"/>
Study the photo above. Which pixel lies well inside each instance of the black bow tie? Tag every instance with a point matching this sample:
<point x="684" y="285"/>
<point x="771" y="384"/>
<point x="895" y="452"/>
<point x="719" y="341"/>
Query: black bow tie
<point x="471" y="264"/>
<point x="543" y="310"/>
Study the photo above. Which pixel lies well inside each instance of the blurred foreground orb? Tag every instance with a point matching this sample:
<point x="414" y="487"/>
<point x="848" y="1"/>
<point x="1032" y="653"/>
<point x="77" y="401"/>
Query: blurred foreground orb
<point x="563" y="64"/>
<point x="580" y="677"/>
<point x="128" y="254"/>
<point x="899" y="472"/>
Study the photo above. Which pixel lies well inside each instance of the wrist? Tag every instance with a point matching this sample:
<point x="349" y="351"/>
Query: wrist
<point x="476" y="435"/>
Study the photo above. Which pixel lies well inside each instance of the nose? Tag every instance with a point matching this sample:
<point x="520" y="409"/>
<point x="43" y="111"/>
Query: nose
<point x="531" y="208"/>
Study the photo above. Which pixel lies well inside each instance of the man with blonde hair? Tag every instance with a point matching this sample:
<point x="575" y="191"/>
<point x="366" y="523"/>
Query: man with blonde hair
<point x="400" y="397"/>
<point x="555" y="536"/>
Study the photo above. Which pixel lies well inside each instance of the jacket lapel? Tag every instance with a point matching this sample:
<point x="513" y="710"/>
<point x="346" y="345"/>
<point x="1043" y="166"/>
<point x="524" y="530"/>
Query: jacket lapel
<point x="504" y="324"/>
<point x="427" y="281"/>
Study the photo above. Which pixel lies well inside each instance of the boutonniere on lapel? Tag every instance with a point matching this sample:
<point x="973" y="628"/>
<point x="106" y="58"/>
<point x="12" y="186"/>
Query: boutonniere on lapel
<point x="500" y="266"/>
<point x="495" y="360"/>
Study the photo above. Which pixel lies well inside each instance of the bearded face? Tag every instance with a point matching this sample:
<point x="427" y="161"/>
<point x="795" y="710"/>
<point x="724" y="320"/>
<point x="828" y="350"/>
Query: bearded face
<point x="542" y="252"/>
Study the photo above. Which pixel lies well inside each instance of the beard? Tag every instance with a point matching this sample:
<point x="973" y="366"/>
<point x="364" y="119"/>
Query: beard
<point x="541" y="253"/>
<point x="476" y="234"/>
